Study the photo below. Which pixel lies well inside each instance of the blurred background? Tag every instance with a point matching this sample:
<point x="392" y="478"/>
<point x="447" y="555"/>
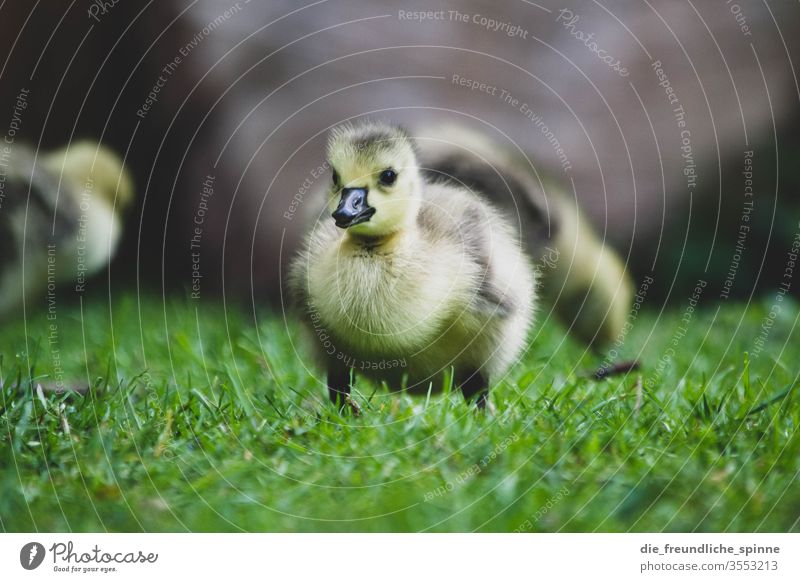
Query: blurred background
<point x="645" y="110"/>
<point x="674" y="123"/>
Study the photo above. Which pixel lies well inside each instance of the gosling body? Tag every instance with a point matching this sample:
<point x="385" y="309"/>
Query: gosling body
<point x="583" y="278"/>
<point x="434" y="281"/>
<point x="60" y="219"/>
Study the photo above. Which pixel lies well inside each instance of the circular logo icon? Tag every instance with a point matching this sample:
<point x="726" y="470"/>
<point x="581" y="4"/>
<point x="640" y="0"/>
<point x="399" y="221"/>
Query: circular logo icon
<point x="31" y="555"/>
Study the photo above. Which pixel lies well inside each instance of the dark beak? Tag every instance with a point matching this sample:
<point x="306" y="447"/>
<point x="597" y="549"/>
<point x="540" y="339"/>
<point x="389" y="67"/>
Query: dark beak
<point x="353" y="208"/>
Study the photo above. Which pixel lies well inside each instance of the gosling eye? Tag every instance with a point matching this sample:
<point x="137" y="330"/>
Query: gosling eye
<point x="388" y="177"/>
<point x="335" y="177"/>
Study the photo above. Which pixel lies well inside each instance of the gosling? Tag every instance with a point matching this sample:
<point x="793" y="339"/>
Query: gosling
<point x="584" y="279"/>
<point x="411" y="279"/>
<point x="60" y="220"/>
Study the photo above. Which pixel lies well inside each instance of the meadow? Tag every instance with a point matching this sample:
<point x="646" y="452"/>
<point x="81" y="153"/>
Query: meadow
<point x="180" y="415"/>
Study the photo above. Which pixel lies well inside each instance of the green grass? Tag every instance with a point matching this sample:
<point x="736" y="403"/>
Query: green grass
<point x="206" y="420"/>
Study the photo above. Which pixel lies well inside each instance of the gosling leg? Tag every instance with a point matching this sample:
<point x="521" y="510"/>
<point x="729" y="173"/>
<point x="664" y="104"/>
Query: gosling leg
<point x="475" y="388"/>
<point x="339" y="388"/>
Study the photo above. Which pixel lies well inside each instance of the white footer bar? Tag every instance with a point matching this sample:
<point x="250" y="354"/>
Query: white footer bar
<point x="401" y="557"/>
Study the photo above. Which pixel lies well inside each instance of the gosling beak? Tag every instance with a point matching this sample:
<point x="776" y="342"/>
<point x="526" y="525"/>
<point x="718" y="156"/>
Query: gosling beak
<point x="353" y="208"/>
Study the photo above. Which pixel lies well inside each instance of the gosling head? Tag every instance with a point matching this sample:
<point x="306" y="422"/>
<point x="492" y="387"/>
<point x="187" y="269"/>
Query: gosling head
<point x="376" y="185"/>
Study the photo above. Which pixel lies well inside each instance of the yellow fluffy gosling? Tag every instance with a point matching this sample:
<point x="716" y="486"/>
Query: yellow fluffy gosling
<point x="583" y="278"/>
<point x="60" y="219"/>
<point x="409" y="279"/>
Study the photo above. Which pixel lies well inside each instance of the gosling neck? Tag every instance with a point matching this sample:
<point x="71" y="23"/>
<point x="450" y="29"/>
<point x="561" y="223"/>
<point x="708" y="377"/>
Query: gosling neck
<point x="378" y="243"/>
